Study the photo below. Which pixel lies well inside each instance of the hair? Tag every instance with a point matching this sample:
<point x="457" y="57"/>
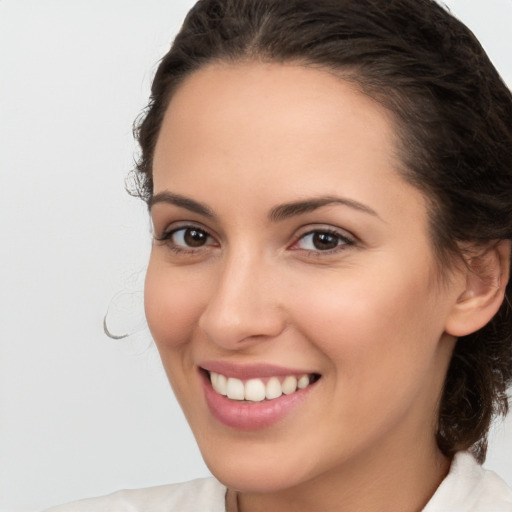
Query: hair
<point x="453" y="117"/>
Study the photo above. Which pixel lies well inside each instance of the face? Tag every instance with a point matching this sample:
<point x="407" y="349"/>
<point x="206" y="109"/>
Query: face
<point x="292" y="266"/>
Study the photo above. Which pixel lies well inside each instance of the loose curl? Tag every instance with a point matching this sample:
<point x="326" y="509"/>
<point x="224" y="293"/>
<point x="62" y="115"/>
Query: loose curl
<point x="453" y="116"/>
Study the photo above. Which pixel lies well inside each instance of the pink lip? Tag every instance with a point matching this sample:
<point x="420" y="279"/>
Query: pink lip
<point x="251" y="371"/>
<point x="252" y="415"/>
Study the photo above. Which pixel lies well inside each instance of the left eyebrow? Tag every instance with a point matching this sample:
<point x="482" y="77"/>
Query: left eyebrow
<point x="287" y="210"/>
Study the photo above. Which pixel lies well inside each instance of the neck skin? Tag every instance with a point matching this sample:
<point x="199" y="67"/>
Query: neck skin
<point x="385" y="480"/>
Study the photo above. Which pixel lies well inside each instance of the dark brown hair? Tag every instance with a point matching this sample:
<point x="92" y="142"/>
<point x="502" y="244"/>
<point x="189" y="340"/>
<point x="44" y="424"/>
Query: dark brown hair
<point x="454" y="120"/>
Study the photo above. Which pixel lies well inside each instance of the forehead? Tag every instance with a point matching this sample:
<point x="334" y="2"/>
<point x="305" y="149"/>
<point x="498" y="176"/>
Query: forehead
<point x="283" y="98"/>
<point x="279" y="131"/>
<point x="271" y="108"/>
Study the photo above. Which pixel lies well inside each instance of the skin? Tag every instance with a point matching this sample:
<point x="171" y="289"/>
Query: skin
<point x="369" y="316"/>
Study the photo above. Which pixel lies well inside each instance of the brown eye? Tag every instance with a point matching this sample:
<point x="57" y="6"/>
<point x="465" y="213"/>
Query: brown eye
<point x="194" y="237"/>
<point x="325" y="241"/>
<point x="190" y="237"/>
<point x="320" y="240"/>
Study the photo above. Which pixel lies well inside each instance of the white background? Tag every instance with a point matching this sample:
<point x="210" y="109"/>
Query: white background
<point x="82" y="415"/>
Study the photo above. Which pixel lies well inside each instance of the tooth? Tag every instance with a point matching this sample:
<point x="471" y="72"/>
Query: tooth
<point x="220" y="384"/>
<point x="289" y="385"/>
<point x="273" y="388"/>
<point x="235" y="389"/>
<point x="254" y="390"/>
<point x="303" y="382"/>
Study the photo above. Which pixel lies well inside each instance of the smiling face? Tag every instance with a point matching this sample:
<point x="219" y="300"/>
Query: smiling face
<point x="288" y="247"/>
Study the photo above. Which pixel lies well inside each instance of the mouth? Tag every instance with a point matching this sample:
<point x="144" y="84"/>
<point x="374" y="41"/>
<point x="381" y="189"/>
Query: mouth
<point x="256" y="397"/>
<point x="259" y="389"/>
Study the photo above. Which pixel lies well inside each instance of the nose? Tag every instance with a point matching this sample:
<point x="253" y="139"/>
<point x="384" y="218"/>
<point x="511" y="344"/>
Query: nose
<point x="243" y="307"/>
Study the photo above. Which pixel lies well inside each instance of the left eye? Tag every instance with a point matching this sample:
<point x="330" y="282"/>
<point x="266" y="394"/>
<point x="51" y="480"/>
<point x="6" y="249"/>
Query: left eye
<point x="321" y="241"/>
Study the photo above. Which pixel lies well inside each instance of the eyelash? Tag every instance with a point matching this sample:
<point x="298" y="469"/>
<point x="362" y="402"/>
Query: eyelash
<point x="343" y="241"/>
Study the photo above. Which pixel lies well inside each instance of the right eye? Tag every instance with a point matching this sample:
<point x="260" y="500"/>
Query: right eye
<point x="187" y="238"/>
<point x="190" y="237"/>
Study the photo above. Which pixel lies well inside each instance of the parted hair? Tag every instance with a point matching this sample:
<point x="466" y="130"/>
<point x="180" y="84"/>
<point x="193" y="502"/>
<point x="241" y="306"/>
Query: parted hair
<point x="453" y="118"/>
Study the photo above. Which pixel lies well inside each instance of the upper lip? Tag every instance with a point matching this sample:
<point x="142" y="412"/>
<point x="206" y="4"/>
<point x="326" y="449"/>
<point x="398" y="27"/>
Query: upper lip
<point x="250" y="371"/>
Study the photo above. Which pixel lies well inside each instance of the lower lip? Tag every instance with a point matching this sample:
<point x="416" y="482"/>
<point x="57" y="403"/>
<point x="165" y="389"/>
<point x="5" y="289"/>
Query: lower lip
<point x="251" y="415"/>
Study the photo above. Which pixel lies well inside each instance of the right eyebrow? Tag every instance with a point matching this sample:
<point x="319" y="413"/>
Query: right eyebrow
<point x="182" y="202"/>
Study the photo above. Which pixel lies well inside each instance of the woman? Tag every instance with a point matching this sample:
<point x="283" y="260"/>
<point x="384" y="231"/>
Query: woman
<point x="330" y="187"/>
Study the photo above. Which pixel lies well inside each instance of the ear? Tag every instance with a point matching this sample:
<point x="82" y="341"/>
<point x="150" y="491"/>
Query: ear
<point x="486" y="276"/>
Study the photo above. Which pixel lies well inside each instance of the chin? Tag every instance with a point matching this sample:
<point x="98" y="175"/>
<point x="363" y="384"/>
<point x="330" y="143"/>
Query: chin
<point x="254" y="467"/>
<point x="259" y="478"/>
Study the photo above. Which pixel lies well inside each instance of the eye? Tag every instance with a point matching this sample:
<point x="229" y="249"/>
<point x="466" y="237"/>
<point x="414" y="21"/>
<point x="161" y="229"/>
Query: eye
<point x="322" y="240"/>
<point x="190" y="237"/>
<point x="187" y="238"/>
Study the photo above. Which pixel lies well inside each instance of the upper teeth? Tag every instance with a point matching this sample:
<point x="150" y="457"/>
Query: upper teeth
<point x="255" y="390"/>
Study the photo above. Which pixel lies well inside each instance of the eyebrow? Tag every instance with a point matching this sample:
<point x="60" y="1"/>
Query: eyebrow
<point x="284" y="211"/>
<point x="277" y="214"/>
<point x="182" y="202"/>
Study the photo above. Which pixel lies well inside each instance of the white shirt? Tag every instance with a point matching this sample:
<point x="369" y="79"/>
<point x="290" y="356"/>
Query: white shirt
<point x="467" y="488"/>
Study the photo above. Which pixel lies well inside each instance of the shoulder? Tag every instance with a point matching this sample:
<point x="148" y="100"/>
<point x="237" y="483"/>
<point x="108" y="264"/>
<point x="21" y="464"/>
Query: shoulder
<point x="469" y="487"/>
<point x="202" y="495"/>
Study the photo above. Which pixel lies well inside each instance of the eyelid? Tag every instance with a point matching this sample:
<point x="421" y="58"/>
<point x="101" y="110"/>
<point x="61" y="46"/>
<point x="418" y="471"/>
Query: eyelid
<point x="327" y="228"/>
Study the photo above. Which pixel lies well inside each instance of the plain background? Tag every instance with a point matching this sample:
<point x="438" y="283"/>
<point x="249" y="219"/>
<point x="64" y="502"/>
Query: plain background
<point x="82" y="415"/>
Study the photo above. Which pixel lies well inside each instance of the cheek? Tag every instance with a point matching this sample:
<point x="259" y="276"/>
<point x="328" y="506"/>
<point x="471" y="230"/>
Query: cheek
<point x="381" y="341"/>
<point x="173" y="302"/>
<point x="372" y="323"/>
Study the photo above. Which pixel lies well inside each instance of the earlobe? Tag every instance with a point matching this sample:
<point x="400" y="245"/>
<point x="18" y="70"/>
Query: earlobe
<point x="486" y="277"/>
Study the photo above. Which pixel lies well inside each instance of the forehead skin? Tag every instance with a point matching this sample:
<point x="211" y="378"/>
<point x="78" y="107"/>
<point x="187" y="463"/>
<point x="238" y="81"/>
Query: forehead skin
<point x="261" y="119"/>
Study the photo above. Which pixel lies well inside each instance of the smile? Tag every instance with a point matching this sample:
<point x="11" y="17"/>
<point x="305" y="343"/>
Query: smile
<point x="258" y="390"/>
<point x="256" y="396"/>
